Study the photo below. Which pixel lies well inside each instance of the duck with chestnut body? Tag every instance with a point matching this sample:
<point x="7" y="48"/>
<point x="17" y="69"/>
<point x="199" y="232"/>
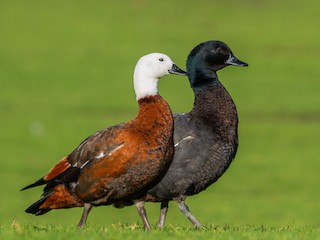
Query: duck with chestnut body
<point x="120" y="163"/>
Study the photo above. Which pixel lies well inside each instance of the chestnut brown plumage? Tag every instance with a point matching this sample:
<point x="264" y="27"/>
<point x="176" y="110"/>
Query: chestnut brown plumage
<point x="118" y="164"/>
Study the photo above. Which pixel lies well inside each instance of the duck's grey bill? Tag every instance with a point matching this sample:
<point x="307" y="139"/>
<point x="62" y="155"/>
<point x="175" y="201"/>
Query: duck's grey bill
<point x="236" y="62"/>
<point x="176" y="70"/>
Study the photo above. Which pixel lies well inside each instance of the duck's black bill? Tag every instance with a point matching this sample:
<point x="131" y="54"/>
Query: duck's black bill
<point x="236" y="62"/>
<point x="176" y="70"/>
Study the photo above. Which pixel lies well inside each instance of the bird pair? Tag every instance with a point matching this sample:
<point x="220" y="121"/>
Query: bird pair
<point x="156" y="157"/>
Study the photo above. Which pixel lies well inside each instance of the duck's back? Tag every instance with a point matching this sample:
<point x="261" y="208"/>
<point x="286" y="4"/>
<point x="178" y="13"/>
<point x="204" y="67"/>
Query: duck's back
<point x="205" y="140"/>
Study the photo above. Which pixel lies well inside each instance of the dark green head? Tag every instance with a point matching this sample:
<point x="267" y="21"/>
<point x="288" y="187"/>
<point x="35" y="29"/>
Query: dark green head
<point x="207" y="58"/>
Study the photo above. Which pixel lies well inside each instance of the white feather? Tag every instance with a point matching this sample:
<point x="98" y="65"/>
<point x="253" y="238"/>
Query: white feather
<point x="149" y="69"/>
<point x="184" y="139"/>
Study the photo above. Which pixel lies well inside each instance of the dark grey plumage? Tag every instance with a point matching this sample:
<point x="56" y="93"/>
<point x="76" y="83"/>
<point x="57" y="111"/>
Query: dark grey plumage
<point x="206" y="139"/>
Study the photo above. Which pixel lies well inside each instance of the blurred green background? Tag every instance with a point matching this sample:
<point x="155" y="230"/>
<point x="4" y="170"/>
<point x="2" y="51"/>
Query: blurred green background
<point x="66" y="71"/>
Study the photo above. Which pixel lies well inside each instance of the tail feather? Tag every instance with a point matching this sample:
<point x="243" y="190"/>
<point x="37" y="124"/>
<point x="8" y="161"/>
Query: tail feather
<point x="41" y="181"/>
<point x="59" y="173"/>
<point x="59" y="197"/>
<point x="58" y="192"/>
<point x="35" y="208"/>
<point x="68" y="175"/>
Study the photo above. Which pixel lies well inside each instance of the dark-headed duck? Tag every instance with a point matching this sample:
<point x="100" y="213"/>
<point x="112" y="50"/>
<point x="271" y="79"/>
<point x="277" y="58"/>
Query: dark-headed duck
<point x="206" y="139"/>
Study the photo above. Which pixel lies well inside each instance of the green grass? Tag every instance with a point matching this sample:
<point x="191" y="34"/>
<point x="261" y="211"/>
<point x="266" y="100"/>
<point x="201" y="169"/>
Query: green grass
<point x="66" y="71"/>
<point x="134" y="231"/>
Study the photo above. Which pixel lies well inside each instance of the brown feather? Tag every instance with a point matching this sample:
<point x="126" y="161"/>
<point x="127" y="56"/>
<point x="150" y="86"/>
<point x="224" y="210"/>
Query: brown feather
<point x="61" y="198"/>
<point x="145" y="154"/>
<point x="116" y="164"/>
<point x="59" y="168"/>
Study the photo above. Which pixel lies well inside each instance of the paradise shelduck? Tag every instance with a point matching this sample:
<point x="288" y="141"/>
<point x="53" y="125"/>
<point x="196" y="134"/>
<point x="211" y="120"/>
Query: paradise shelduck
<point x="206" y="139"/>
<point x="119" y="163"/>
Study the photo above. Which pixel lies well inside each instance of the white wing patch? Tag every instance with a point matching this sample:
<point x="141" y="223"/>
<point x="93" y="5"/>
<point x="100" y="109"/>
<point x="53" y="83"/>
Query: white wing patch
<point x="83" y="165"/>
<point x="184" y="139"/>
<point x="103" y="154"/>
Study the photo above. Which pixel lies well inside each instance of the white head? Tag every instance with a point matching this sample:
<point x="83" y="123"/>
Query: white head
<point x="149" y="69"/>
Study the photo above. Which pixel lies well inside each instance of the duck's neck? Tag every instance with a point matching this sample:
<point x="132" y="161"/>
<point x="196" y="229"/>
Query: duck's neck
<point x="154" y="113"/>
<point x="214" y="106"/>
<point x="144" y="84"/>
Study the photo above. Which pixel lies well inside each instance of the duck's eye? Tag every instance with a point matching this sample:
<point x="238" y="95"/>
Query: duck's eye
<point x="161" y="59"/>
